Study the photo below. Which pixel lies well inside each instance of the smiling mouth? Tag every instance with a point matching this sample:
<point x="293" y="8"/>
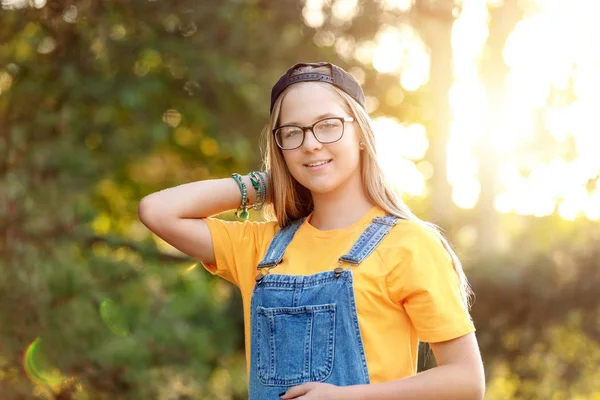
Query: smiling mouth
<point x="317" y="164"/>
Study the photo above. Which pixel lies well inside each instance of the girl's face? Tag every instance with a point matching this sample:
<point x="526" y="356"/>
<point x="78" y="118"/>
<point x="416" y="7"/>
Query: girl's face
<point x="305" y="104"/>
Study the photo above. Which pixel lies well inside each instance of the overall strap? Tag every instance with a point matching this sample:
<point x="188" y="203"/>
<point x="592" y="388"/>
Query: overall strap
<point x="369" y="239"/>
<point x="280" y="242"/>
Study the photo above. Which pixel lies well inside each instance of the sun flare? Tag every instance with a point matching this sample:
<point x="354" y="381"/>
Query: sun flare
<point x="541" y="139"/>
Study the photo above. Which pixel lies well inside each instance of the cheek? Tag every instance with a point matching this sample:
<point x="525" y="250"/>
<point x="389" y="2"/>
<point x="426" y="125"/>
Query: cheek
<point x="350" y="142"/>
<point x="291" y="161"/>
<point x="353" y="159"/>
<point x="349" y="152"/>
<point x="288" y="157"/>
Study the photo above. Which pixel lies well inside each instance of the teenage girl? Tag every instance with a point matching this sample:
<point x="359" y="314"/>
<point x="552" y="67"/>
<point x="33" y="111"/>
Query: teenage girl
<point x="343" y="282"/>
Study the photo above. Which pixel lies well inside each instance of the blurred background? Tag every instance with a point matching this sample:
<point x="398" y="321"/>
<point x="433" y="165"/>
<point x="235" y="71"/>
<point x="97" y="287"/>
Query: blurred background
<point x="486" y="115"/>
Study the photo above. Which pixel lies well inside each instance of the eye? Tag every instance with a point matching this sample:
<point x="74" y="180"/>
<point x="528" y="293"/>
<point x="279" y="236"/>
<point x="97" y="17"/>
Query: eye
<point x="289" y="132"/>
<point x="292" y="133"/>
<point x="329" y="124"/>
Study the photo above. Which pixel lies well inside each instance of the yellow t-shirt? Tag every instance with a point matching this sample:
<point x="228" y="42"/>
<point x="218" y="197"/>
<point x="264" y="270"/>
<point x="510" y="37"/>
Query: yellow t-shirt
<point x="405" y="290"/>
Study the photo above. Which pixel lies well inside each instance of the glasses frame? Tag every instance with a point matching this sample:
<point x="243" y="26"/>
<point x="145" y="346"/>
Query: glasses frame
<point x="311" y="127"/>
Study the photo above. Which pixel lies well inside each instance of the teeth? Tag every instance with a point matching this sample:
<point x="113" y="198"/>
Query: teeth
<point x="317" y="164"/>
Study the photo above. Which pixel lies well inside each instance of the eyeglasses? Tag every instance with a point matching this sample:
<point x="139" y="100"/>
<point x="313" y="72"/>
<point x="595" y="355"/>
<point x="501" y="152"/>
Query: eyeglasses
<point x="328" y="130"/>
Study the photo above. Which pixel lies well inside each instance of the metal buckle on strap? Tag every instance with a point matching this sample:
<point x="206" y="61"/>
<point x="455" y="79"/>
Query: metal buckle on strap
<point x="261" y="273"/>
<point x="337" y="272"/>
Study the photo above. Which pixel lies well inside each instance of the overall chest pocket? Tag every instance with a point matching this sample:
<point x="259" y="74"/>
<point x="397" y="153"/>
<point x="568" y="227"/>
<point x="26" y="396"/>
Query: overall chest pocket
<point x="295" y="344"/>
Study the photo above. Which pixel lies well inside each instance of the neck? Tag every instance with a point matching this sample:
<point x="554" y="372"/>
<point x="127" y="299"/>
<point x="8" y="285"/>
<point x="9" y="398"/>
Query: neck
<point x="341" y="208"/>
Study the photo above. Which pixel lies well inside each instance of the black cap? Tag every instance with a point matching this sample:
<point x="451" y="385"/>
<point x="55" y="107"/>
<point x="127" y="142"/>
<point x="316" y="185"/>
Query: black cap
<point x="339" y="78"/>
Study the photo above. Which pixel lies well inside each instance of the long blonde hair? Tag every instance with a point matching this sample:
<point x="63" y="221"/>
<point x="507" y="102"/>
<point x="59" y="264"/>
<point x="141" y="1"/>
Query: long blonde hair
<point x="292" y="201"/>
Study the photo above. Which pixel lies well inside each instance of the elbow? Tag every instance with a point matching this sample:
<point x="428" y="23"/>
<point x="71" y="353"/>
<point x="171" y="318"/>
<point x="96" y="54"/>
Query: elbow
<point x="148" y="212"/>
<point x="472" y="382"/>
<point x="478" y="385"/>
<point x="471" y="389"/>
<point x="143" y="210"/>
<point x="479" y="390"/>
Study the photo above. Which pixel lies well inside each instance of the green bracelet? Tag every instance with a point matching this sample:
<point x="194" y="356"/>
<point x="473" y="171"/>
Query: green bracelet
<point x="258" y="182"/>
<point x="264" y="190"/>
<point x="243" y="209"/>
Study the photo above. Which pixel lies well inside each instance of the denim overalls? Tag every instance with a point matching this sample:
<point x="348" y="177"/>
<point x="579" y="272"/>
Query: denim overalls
<point x="305" y="328"/>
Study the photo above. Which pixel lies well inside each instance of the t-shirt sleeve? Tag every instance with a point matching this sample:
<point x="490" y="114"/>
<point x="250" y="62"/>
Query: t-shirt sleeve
<point x="238" y="247"/>
<point x="424" y="282"/>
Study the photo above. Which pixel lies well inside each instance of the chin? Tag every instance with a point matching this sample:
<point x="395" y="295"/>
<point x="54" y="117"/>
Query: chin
<point x="321" y="187"/>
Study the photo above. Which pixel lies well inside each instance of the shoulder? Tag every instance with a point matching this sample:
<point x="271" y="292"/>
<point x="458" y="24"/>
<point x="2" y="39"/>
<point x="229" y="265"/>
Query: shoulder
<point x="409" y="234"/>
<point x="409" y="240"/>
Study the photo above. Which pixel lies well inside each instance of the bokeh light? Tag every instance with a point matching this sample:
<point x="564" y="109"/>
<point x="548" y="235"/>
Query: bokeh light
<point x="172" y="118"/>
<point x="191" y="268"/>
<point x="113" y="317"/>
<point x="401" y="5"/>
<point x="313" y="13"/>
<point x="37" y="367"/>
<point x="551" y="72"/>
<point x="400" y="146"/>
<point x="542" y="62"/>
<point x="400" y="50"/>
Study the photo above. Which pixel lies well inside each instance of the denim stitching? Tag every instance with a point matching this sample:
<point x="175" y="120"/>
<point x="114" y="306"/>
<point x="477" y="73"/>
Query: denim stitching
<point x="363" y="247"/>
<point x="331" y="352"/>
<point x="279" y="243"/>
<point x="272" y="344"/>
<point x="373" y="242"/>
<point x="357" y="329"/>
<point x="356" y="253"/>
<point x="258" y="347"/>
<point x="373" y="235"/>
<point x="270" y="313"/>
<point x="308" y="346"/>
<point x="360" y="243"/>
<point x="288" y="281"/>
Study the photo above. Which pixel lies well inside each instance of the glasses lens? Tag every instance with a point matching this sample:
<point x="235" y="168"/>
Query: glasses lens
<point x="329" y="130"/>
<point x="289" y="137"/>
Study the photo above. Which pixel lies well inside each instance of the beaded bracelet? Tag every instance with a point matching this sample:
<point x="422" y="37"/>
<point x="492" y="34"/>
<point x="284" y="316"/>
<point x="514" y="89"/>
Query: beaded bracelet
<point x="257" y="186"/>
<point x="261" y="189"/>
<point x="243" y="209"/>
<point x="264" y="186"/>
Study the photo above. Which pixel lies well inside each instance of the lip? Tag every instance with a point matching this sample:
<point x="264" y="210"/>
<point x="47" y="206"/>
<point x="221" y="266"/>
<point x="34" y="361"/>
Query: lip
<point x="318" y="167"/>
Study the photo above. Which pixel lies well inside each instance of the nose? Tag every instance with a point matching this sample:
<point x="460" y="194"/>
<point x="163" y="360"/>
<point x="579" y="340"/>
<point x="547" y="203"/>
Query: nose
<point x="310" y="141"/>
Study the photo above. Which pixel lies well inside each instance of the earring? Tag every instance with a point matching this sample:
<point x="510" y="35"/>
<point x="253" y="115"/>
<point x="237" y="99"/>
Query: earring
<point x="361" y="144"/>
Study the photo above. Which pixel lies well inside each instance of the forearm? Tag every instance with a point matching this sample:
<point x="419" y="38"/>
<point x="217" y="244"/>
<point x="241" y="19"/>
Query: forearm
<point x="448" y="382"/>
<point x="199" y="199"/>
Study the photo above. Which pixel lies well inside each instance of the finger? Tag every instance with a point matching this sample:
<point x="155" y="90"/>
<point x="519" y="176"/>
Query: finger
<point x="296" y="391"/>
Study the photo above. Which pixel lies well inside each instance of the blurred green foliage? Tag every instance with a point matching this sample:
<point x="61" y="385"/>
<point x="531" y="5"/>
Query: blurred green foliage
<point x="537" y="311"/>
<point x="103" y="102"/>
<point x="107" y="102"/>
